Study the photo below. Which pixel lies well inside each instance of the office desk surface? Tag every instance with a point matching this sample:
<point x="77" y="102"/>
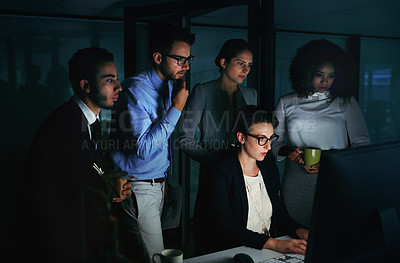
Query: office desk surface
<point x="226" y="256"/>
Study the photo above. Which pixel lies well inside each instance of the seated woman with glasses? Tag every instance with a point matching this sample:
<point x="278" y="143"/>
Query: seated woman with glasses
<point x="239" y="202"/>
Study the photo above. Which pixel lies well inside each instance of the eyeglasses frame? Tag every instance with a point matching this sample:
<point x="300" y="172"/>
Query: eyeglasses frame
<point x="189" y="59"/>
<point x="259" y="138"/>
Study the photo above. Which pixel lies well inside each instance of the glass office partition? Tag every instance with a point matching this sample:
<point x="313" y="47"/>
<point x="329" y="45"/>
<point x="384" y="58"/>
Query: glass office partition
<point x="34" y="54"/>
<point x="380" y="88"/>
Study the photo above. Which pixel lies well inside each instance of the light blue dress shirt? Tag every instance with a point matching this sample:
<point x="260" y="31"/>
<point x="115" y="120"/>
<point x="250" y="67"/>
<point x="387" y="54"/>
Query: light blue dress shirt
<point x="148" y="123"/>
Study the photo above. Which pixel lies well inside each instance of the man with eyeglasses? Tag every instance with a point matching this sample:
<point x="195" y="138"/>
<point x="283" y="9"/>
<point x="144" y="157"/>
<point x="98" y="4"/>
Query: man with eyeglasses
<point x="146" y="115"/>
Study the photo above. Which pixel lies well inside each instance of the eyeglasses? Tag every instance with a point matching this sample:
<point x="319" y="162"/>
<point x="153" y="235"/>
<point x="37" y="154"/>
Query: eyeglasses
<point x="181" y="60"/>
<point x="264" y="140"/>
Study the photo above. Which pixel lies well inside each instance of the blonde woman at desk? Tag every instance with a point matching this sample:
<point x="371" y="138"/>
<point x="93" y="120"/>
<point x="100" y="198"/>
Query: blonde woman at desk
<point x="239" y="202"/>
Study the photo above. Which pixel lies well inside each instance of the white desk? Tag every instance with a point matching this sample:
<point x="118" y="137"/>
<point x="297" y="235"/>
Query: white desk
<point x="226" y="256"/>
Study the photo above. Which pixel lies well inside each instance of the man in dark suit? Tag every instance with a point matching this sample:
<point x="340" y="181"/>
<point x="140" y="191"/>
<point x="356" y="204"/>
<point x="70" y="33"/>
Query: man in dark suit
<point x="64" y="215"/>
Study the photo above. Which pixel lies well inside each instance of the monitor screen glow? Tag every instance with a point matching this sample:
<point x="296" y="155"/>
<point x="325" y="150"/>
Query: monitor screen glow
<point x="357" y="206"/>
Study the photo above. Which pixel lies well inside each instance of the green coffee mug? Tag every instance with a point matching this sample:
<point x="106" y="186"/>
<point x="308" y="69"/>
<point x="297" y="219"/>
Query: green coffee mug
<point x="311" y="156"/>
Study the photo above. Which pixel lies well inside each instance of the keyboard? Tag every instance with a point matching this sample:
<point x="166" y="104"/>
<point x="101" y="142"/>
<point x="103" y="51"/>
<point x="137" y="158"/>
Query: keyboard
<point x="292" y="258"/>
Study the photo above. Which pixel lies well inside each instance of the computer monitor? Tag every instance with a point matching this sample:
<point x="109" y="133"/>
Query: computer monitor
<point x="357" y="206"/>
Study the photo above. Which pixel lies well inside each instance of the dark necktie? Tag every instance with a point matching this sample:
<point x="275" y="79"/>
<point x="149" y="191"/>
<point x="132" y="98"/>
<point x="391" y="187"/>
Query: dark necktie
<point x="96" y="138"/>
<point x="96" y="132"/>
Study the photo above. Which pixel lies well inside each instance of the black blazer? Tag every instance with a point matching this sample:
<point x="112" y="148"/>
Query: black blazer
<point x="222" y="207"/>
<point x="62" y="209"/>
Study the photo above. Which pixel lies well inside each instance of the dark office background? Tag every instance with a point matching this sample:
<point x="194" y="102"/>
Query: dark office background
<point x="38" y="37"/>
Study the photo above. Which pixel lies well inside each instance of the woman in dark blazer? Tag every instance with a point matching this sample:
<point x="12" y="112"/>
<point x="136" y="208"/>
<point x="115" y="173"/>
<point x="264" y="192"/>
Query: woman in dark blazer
<point x="239" y="202"/>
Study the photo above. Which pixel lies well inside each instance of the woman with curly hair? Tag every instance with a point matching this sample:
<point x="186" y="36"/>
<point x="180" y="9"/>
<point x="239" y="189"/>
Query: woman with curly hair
<point x="320" y="113"/>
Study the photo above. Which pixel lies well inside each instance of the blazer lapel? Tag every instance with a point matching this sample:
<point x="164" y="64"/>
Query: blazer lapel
<point x="82" y="123"/>
<point x="241" y="187"/>
<point x="244" y="95"/>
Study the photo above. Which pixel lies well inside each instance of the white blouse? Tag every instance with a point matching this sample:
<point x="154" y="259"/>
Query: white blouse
<point x="318" y="122"/>
<point x="260" y="206"/>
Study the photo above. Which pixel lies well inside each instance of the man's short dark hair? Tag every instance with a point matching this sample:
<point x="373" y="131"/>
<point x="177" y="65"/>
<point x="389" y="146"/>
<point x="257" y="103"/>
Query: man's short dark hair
<point x="83" y="65"/>
<point x="163" y="36"/>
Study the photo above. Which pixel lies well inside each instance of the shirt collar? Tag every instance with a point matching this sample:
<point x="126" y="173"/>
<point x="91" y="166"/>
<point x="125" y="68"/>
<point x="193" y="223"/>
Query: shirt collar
<point x="319" y="95"/>
<point x="88" y="113"/>
<point x="157" y="82"/>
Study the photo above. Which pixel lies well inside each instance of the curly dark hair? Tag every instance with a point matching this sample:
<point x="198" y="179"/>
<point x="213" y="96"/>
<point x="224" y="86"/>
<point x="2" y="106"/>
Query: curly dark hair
<point x="312" y="55"/>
